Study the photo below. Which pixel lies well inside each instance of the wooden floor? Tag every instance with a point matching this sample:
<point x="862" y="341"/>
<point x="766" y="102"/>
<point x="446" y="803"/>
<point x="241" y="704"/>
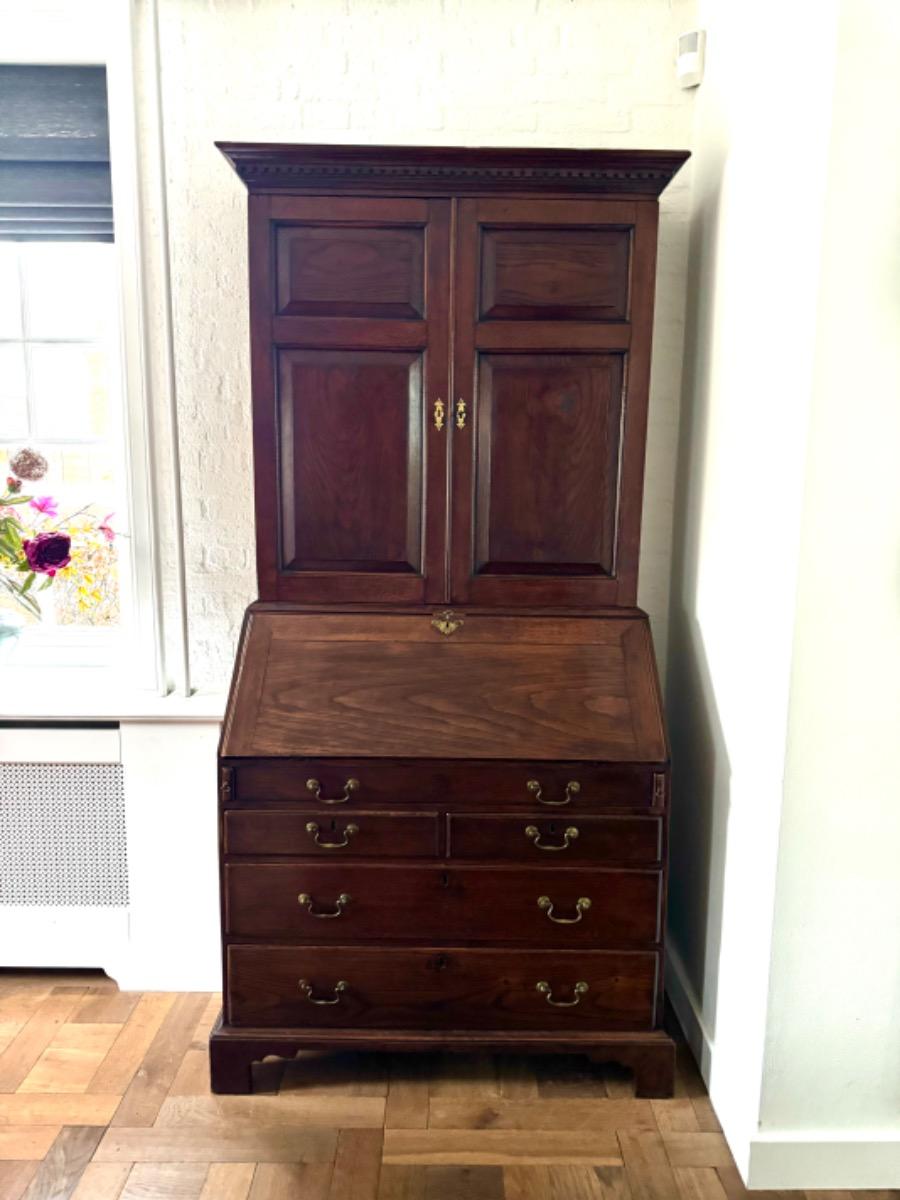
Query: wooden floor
<point x="104" y="1095"/>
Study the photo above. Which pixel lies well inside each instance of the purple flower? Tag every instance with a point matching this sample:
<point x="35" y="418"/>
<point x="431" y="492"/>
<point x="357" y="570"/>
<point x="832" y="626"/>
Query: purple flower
<point x="48" y="553"/>
<point x="45" y="504"/>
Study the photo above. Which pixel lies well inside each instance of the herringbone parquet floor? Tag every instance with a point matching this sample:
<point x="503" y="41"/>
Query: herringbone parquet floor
<point x="104" y="1095"/>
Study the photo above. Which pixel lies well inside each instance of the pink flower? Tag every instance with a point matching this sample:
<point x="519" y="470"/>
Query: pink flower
<point x="106" y="530"/>
<point x="44" y="504"/>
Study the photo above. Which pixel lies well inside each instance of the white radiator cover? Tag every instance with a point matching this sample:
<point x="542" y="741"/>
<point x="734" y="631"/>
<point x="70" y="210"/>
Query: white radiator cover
<point x="62" y="835"/>
<point x="108" y="850"/>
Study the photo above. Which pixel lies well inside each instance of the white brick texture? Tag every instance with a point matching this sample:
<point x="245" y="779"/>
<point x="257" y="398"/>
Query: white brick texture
<point x="472" y="72"/>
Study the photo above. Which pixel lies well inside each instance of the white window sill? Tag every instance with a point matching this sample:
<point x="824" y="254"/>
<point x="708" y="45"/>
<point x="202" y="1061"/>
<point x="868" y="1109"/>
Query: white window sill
<point x="96" y="694"/>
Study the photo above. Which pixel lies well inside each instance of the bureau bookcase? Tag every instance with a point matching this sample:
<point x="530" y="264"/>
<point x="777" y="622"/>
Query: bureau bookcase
<point x="443" y="771"/>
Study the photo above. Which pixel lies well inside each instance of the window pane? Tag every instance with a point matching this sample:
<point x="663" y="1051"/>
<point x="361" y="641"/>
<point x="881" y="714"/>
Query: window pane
<point x="13" y="409"/>
<point x="68" y="289"/>
<point x="10" y="300"/>
<point x="78" y="496"/>
<point x="69" y="392"/>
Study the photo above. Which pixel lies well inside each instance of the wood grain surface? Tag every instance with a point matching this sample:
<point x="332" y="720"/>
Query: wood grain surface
<point x="497" y="688"/>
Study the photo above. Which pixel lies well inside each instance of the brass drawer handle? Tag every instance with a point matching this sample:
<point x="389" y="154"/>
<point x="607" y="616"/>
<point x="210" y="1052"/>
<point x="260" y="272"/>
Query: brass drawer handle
<point x="572" y="789"/>
<point x="439" y="412"/>
<point x="340" y="904"/>
<point x="460" y="413"/>
<point x="340" y="986"/>
<point x="313" y="785"/>
<point x="582" y="904"/>
<point x="532" y="831"/>
<point x="547" y="992"/>
<point x="313" y="829"/>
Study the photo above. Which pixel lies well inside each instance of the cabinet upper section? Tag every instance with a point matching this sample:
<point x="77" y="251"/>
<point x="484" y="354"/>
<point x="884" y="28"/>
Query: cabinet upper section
<point x="451" y="170"/>
<point x="450" y="372"/>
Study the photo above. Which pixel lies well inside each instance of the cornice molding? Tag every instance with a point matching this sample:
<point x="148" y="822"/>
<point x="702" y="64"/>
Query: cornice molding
<point x="435" y="170"/>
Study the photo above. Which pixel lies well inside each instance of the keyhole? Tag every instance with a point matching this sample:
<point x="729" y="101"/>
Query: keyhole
<point x="553" y="827"/>
<point x="440" y="963"/>
<point x="445" y="879"/>
<point x="333" y="825"/>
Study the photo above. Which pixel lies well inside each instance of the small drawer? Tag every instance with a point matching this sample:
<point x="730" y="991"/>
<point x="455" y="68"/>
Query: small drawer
<point x="356" y="835"/>
<point x="540" y="839"/>
<point x="397" y="988"/>
<point x="431" y="904"/>
<point x="350" y="784"/>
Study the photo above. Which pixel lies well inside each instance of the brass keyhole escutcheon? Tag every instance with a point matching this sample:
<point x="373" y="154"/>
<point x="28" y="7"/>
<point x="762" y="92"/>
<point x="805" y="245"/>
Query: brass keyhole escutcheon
<point x="447" y="622"/>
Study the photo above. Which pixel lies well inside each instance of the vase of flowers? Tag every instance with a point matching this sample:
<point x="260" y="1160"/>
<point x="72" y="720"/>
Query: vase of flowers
<point x="36" y="546"/>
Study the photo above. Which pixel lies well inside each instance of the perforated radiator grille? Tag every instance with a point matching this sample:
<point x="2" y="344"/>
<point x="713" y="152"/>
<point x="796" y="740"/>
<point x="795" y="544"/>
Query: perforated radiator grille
<point x="62" y="834"/>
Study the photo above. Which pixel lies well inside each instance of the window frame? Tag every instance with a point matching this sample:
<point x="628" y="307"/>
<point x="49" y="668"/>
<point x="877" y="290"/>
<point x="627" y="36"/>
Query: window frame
<point x="105" y="36"/>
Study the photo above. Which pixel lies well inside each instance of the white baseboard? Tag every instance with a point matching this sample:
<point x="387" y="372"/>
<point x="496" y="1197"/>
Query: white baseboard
<point x="687" y="1009"/>
<point x="790" y="1159"/>
<point x="36" y="936"/>
<point x="826" y="1160"/>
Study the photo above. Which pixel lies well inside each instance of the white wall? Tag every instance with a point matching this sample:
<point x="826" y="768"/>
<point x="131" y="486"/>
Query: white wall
<point x="502" y="72"/>
<point x="767" y="673"/>
<point x="760" y="152"/>
<point x="832" y="1062"/>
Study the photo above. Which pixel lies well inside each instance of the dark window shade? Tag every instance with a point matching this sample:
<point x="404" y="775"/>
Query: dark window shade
<point x="54" y="154"/>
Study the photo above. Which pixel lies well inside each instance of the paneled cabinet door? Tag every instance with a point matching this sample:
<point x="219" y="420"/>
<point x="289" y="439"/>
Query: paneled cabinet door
<point x="551" y="361"/>
<point x="350" y="326"/>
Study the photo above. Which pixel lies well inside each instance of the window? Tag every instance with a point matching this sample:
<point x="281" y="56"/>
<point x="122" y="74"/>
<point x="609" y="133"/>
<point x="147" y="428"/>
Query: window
<point x="60" y="394"/>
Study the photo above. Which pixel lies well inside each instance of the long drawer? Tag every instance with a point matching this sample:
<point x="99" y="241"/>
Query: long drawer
<point x="387" y="987"/>
<point x="430" y="904"/>
<point x="536" y="786"/>
<point x="570" y="839"/>
<point x="326" y="835"/>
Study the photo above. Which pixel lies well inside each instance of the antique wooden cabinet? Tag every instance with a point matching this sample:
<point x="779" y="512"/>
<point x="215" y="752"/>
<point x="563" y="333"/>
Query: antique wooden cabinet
<point x="443" y="770"/>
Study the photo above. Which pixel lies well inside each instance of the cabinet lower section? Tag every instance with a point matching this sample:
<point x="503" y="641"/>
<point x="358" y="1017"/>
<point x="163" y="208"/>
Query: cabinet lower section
<point x="233" y="1050"/>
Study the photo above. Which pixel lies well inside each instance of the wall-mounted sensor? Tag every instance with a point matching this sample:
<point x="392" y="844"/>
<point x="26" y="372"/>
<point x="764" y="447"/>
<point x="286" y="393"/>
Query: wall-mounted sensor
<point x="689" y="63"/>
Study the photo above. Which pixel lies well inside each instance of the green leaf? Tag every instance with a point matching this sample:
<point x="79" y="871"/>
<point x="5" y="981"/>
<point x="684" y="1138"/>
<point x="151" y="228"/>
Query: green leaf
<point x="47" y="583"/>
<point x="29" y="580"/>
<point x="27" y="602"/>
<point x="15" y="500"/>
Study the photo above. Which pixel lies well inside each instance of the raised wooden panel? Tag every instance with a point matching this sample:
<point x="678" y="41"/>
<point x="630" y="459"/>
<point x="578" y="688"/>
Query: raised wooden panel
<point x="339" y="270"/>
<point x="552" y="320"/>
<point x="578" y="274"/>
<point x="546" y="471"/>
<point x="350" y="435"/>
<point x="348" y="356"/>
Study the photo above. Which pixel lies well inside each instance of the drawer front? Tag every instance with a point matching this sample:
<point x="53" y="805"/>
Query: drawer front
<point x="569" y="838"/>
<point x="360" y="783"/>
<point x="331" y="835"/>
<point x="430" y="904"/>
<point x="382" y="988"/>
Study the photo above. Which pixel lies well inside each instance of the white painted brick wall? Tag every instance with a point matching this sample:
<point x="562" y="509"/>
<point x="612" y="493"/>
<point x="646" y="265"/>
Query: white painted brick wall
<point x="471" y="72"/>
